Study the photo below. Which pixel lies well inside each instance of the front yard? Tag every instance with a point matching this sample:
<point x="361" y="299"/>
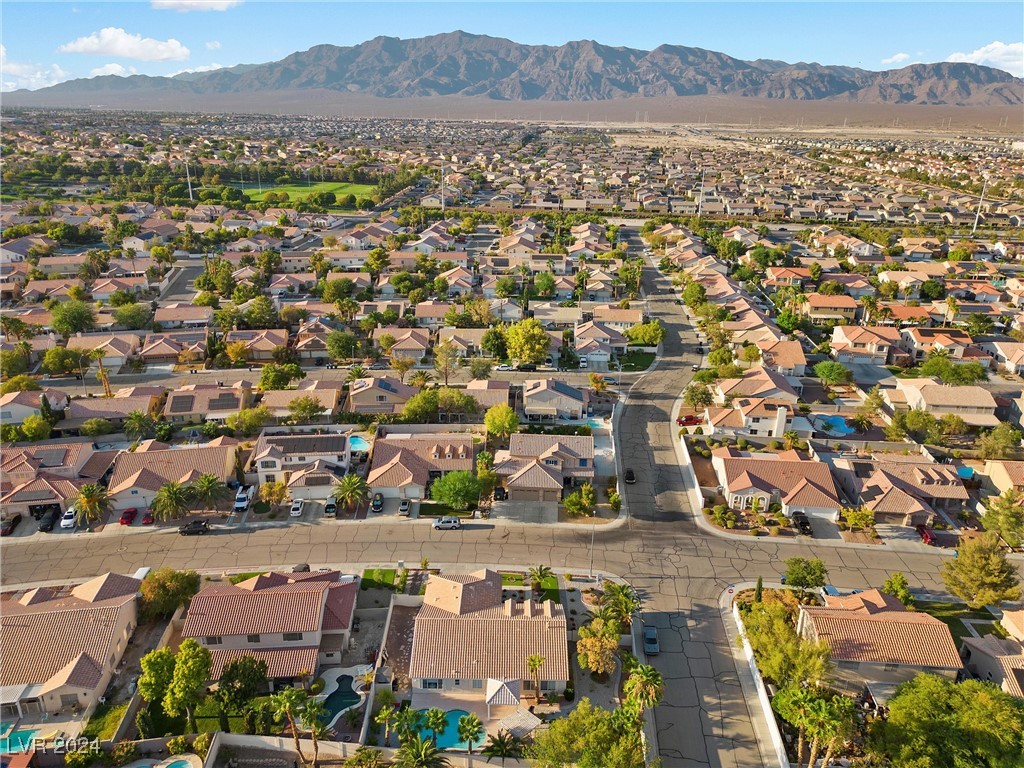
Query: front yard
<point x="636" y="361"/>
<point x="953" y="614"/>
<point x="378" y="578"/>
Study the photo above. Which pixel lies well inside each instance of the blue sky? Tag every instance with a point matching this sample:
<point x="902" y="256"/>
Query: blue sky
<point x="47" y="42"/>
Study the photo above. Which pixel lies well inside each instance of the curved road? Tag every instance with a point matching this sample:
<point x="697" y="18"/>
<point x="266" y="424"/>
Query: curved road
<point x="679" y="569"/>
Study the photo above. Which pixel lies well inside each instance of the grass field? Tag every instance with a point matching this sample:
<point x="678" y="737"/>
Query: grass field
<point x="299" y="191"/>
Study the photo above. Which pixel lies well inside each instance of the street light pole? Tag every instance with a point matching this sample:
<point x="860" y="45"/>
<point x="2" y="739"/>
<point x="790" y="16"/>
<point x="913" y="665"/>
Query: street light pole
<point x="593" y="530"/>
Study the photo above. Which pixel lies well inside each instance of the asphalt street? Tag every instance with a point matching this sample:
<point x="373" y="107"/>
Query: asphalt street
<point x="678" y="568"/>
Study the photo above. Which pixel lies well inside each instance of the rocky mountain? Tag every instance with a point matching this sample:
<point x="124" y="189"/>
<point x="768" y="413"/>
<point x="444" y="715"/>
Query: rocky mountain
<point x="460" y="64"/>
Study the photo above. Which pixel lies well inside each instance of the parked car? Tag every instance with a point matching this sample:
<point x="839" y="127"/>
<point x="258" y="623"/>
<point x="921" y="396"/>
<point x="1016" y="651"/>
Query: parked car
<point x="69" y="519"/>
<point x="695" y="367"/>
<point x="583" y="363"/>
<point x="9" y="523"/>
<point x="926" y="536"/>
<point x="610" y="381"/>
<point x="527" y="367"/>
<point x="689" y="421"/>
<point x="651" y="645"/>
<point x="447" y="524"/>
<point x="128" y="516"/>
<point x="331" y="508"/>
<point x="500" y="494"/>
<point x="377" y="502"/>
<point x="244" y="497"/>
<point x="297" y="507"/>
<point x="147" y="517"/>
<point x="404" y="507"/>
<point x="195" y="528"/>
<point x="301" y="568"/>
<point x="630" y="477"/>
<point x="504" y="367"/>
<point x="48" y="520"/>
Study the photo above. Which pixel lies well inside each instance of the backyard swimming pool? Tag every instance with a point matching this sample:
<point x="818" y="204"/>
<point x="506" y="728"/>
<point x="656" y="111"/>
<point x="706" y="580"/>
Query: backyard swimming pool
<point x="342" y="698"/>
<point x="357" y="443"/>
<point x="598" y="423"/>
<point x="449" y="739"/>
<point x="17" y="741"/>
<point x="833" y="425"/>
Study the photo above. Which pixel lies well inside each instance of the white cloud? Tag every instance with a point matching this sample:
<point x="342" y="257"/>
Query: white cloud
<point x="16" y="74"/>
<point x="212" y="45"/>
<point x="113" y="69"/>
<point x="1006" y="56"/>
<point x="896" y="58"/>
<point x="202" y="68"/>
<point x="114" y="41"/>
<point x="184" y="6"/>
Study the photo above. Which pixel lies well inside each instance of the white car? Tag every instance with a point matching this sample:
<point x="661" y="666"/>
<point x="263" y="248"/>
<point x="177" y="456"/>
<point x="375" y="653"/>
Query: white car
<point x="297" y="507"/>
<point x="504" y="367"/>
<point x="447" y="524"/>
<point x="69" y="519"/>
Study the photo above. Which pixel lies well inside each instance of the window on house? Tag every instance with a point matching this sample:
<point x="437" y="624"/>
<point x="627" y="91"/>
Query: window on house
<point x="551" y="462"/>
<point x="214" y="640"/>
<point x="268" y="464"/>
<point x="135" y="492"/>
<point x="253" y="638"/>
<point x="432" y="685"/>
<point x="547" y="685"/>
<point x="478" y="684"/>
<point x="68" y="700"/>
<point x="292" y="636"/>
<point x="381" y="398"/>
<point x="583" y="462"/>
<point x="271" y="478"/>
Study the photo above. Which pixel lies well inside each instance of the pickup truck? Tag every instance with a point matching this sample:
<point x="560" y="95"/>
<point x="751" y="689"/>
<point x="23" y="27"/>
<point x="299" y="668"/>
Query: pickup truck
<point x="244" y="497"/>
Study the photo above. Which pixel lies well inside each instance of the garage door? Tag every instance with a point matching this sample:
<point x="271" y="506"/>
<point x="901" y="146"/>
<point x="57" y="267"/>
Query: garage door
<point x="525" y="495"/>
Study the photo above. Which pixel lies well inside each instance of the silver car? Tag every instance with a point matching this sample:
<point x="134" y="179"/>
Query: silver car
<point x="447" y="524"/>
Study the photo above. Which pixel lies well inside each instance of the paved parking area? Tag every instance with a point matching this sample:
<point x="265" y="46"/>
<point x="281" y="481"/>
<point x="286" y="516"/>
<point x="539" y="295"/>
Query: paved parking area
<point x="526" y="511"/>
<point x="824" y="529"/>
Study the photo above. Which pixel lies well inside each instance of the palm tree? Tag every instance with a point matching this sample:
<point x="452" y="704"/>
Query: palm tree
<point x="288" y="703"/>
<point x="503" y="745"/>
<point x="386" y="718"/>
<point x="208" y="490"/>
<point x="843" y="713"/>
<point x="645" y="686"/>
<point x="408" y="723"/>
<point x="470" y="730"/>
<point x="417" y="752"/>
<point x="952" y="307"/>
<point x="420" y="379"/>
<point x="355" y="372"/>
<point x="790" y="438"/>
<point x="792" y="704"/>
<point x="139" y="425"/>
<point x="870" y="307"/>
<point x="91" y="504"/>
<point x="534" y="662"/>
<point x="171" y="501"/>
<point x="822" y="725"/>
<point x="313" y="715"/>
<point x="537" y="575"/>
<point x="623" y="602"/>
<point x="366" y="757"/>
<point x="350" y="490"/>
<point x="437" y="722"/>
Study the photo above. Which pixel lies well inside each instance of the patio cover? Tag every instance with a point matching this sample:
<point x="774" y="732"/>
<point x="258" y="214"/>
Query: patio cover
<point x="520" y="723"/>
<point x="503" y="692"/>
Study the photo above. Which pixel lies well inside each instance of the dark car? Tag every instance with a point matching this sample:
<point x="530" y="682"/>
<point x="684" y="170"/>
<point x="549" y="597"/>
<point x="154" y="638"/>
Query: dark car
<point x="48" y="520"/>
<point x="377" y="503"/>
<point x="802" y="523"/>
<point x="319" y="361"/>
<point x="926" y="536"/>
<point x="500" y="494"/>
<point x="331" y="509"/>
<point x="630" y="477"/>
<point x="301" y="568"/>
<point x="128" y="516"/>
<point x="527" y="367"/>
<point x="195" y="528"/>
<point x="9" y="524"/>
<point x="651" y="645"/>
<point x="147" y="517"/>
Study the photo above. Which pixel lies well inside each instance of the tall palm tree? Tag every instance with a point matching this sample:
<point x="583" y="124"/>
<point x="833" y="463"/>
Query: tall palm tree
<point x="386" y="718"/>
<point x="348" y="308"/>
<point x="91" y="504"/>
<point x="355" y="372"/>
<point x="537" y="575"/>
<point x="420" y="379"/>
<point x="209" y="490"/>
<point x="171" y="501"/>
<point x="470" y="730"/>
<point x="952" y="307"/>
<point x="408" y="723"/>
<point x="313" y="715"/>
<point x="139" y="425"/>
<point x="350" y="490"/>
<point x="417" y="752"/>
<point x="870" y="307"/>
<point x="843" y="710"/>
<point x="287" y="703"/>
<point x="623" y="602"/>
<point x="645" y="686"/>
<point x="502" y="745"/>
<point x="792" y="704"/>
<point x="534" y="662"/>
<point x="437" y="722"/>
<point x="822" y="725"/>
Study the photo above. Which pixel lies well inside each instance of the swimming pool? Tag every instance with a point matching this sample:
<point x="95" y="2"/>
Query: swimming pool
<point x="449" y="738"/>
<point x="357" y="443"/>
<point x="179" y="764"/>
<point x="598" y="423"/>
<point x="834" y="425"/>
<point x="341" y="698"/>
<point x="17" y="741"/>
<point x="965" y="473"/>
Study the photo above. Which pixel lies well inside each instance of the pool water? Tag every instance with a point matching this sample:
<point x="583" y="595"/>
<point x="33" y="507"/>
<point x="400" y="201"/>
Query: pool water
<point x="449" y="739"/>
<point x="597" y="423"/>
<point x="357" y="443"/>
<point x="341" y="699"/>
<point x="837" y="424"/>
<point x="17" y="741"/>
<point x="179" y="764"/>
<point x="965" y="473"/>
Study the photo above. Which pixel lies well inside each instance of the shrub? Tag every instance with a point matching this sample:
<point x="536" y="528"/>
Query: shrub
<point x="124" y="752"/>
<point x="775" y="445"/>
<point x="202" y="744"/>
<point x="698" y="430"/>
<point x="178" y="745"/>
<point x="755" y="532"/>
<point x="616" y="502"/>
<point x="81" y="758"/>
<point x="784" y="521"/>
<point x="774" y="531"/>
<point x="742" y="443"/>
<point x="317" y="686"/>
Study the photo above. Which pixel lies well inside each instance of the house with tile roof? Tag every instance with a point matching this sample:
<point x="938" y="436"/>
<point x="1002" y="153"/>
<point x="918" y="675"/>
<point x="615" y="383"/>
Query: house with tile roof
<point x="15" y="407"/>
<point x="182" y="316"/>
<point x="784" y="357"/>
<point x="378" y="395"/>
<point x="196" y="403"/>
<point x="488" y="393"/>
<point x="278" y="400"/>
<point x="404" y="465"/>
<point x="470" y="646"/>
<point x="84" y="631"/>
<point x="1004" y="475"/>
<point x="553" y="400"/>
<point x="757" y="381"/>
<point x="307" y="463"/>
<point x="259" y="344"/>
<point x="754" y="417"/>
<point x="542" y="467"/>
<point x="117" y="348"/>
<point x="821" y="308"/>
<point x="174" y="347"/>
<point x="857" y="344"/>
<point x="974" y="404"/>
<point x="295" y="622"/>
<point x="112" y="409"/>
<point x="996" y="660"/>
<point x="873" y="638"/>
<point x="788" y="478"/>
<point x="410" y="342"/>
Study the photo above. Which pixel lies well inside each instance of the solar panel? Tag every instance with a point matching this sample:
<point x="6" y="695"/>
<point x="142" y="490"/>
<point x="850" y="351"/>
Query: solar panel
<point x="318" y="480"/>
<point x="33" y="495"/>
<point x="224" y="401"/>
<point x="182" y="403"/>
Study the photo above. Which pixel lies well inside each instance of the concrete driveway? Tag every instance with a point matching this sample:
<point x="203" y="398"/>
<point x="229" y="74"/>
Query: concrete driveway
<point x="526" y="511"/>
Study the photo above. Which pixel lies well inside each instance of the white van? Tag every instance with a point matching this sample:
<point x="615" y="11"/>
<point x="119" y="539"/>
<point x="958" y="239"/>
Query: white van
<point x="583" y="362"/>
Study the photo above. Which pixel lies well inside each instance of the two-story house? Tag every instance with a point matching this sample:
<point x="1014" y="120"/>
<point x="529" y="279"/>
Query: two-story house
<point x="822" y="308"/>
<point x="553" y="400"/>
<point x="857" y="344"/>
<point x="541" y="467"/>
<point x="788" y="478"/>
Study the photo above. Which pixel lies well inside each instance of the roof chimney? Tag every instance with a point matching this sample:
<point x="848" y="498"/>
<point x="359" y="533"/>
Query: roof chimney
<point x="508" y="606"/>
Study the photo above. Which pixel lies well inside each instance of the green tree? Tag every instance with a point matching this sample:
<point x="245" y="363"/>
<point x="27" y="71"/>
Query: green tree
<point x="134" y="316"/>
<point x="459" y="490"/>
<point x="505" y="287"/>
<point x="932" y="290"/>
<point x="598" y="641"/>
<point x="402" y="364"/>
<point x="794" y="705"/>
<point x="58" y="360"/>
<point x="589" y="737"/>
<point x="940" y="723"/>
<point x="377" y="261"/>
<point x="582" y="502"/>
<point x="306" y="409"/>
<point x="1000" y="442"/>
<point x="502" y="745"/>
<point x="209" y="490"/>
<point x="446" y="359"/>
<point x="92" y="504"/>
<point x="698" y="396"/>
<point x="805" y="574"/>
<point x="248" y="421"/>
<point x="527" y="341"/>
<point x="172" y="501"/>
<point x="832" y="373"/>
<point x="981" y="575"/>
<point x="165" y="590"/>
<point x="493" y="342"/>
<point x="437" y="721"/>
<point x="35" y="428"/>
<point x="20" y="383"/>
<point x="417" y="752"/>
<point x="14" y="363"/>
<point x="341" y="345"/>
<point x="16" y="328"/>
<point x="897" y="586"/>
<point x="533" y="663"/>
<point x="157" y="673"/>
<point x="261" y="314"/>
<point x="1005" y="515"/>
<point x="139" y="425"/>
<point x="280" y="376"/>
<point x="350" y="490"/>
<point x="71" y="317"/>
<point x="480" y="368"/>
<point x="471" y="730"/>
<point x="314" y="713"/>
<point x="288" y="703"/>
<point x="242" y="680"/>
<point x="366" y="757"/>
<point x="720" y="356"/>
<point x="188" y="684"/>
<point x="694" y="294"/>
<point x="501" y="421"/>
<point x="647" y="334"/>
<point x="645" y="686"/>
<point x="422" y="407"/>
<point x="544" y="284"/>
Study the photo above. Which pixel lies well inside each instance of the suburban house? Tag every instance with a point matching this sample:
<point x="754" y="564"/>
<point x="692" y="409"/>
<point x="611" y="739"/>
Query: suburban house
<point x="174" y="347"/>
<point x="975" y="405"/>
<point x="378" y="395"/>
<point x="784" y="357"/>
<point x="405" y="464"/>
<point x="788" y="478"/>
<point x="84" y="629"/>
<point x="488" y="392"/>
<point x="471" y="646"/>
<point x="278" y="400"/>
<point x="873" y="638"/>
<point x="997" y="660"/>
<point x="259" y="345"/>
<point x="117" y="348"/>
<point x="430" y="314"/>
<point x="35" y="479"/>
<point x="553" y="400"/>
<point x="751" y="417"/>
<point x="295" y="622"/>
<point x="540" y="467"/>
<point x="1004" y="475"/>
<point x="758" y="382"/>
<point x="410" y="342"/>
<point x="307" y="463"/>
<point x="921" y="342"/>
<point x="1009" y="355"/>
<point x="15" y="407"/>
<point x="139" y="474"/>
<point x="113" y="409"/>
<point x="196" y="403"/>
<point x="822" y="308"/>
<point x="182" y="316"/>
<point x="466" y="341"/>
<point x="857" y="344"/>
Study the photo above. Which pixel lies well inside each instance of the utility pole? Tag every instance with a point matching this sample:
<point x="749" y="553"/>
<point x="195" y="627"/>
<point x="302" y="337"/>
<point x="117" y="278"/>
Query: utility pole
<point x="442" y="190"/>
<point x="980" y="201"/>
<point x="188" y="178"/>
<point x="259" y="181"/>
<point x="700" y="200"/>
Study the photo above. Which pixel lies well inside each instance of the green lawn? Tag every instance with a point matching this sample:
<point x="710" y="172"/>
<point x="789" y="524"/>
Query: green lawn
<point x="238" y="578"/>
<point x="513" y="579"/>
<point x="104" y="721"/>
<point x="299" y="191"/>
<point x="378" y="578"/>
<point x="549" y="589"/>
<point x="435" y="509"/>
<point x="636" y="361"/>
<point x="951" y="614"/>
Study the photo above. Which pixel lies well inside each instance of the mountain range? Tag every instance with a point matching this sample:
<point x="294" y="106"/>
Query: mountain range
<point x="465" y="65"/>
